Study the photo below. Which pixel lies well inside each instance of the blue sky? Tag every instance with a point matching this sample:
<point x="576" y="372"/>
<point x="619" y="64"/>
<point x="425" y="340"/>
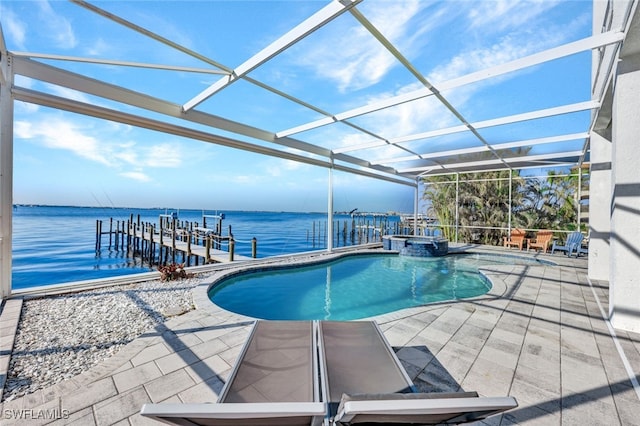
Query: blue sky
<point x="68" y="159"/>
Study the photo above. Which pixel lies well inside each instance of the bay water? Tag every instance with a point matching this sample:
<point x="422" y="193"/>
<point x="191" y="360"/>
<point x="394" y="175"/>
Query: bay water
<point x="57" y="244"/>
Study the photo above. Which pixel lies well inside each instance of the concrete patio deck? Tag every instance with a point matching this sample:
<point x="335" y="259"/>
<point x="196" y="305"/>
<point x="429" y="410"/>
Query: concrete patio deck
<point x="538" y="336"/>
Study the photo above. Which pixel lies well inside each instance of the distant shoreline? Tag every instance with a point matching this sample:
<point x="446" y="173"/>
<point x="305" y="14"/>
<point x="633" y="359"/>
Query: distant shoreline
<point x="389" y="213"/>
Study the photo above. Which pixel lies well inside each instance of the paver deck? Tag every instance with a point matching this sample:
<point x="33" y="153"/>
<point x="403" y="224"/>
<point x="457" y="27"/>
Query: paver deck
<point x="538" y="336"/>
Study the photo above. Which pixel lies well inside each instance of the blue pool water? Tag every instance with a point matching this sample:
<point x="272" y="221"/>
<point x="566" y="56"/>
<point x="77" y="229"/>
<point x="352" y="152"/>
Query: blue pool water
<point x="356" y="286"/>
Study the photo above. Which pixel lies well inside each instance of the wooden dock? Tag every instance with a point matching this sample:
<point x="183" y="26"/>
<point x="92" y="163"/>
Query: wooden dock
<point x="175" y="241"/>
<point x="171" y="241"/>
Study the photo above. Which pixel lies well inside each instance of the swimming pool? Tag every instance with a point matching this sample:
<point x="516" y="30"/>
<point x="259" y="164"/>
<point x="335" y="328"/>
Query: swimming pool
<point x="356" y="286"/>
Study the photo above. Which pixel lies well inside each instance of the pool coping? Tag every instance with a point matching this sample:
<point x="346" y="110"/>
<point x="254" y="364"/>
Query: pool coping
<point x="491" y="273"/>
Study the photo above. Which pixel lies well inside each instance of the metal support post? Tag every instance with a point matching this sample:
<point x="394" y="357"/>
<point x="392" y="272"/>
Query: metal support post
<point x="416" y="202"/>
<point x="6" y="171"/>
<point x="457" y="204"/>
<point x="329" y="235"/>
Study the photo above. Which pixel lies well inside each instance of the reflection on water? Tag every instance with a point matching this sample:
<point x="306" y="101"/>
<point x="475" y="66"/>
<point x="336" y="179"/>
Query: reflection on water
<point x="354" y="287"/>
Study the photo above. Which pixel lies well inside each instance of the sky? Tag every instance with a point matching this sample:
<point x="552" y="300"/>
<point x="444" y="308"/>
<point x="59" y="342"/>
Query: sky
<point x="62" y="158"/>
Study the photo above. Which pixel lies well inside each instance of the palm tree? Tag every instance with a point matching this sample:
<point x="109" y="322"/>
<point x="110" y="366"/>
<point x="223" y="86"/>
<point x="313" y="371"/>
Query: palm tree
<point x="440" y="192"/>
<point x="484" y="203"/>
<point x="484" y="209"/>
<point x="552" y="202"/>
<point x="481" y="203"/>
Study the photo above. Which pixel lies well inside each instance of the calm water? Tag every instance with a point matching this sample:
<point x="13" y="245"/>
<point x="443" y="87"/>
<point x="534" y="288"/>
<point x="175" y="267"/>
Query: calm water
<point x="355" y="287"/>
<point x="57" y="244"/>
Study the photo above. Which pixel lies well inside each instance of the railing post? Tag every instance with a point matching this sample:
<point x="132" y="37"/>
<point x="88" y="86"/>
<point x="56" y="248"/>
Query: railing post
<point x="116" y="233"/>
<point x="142" y="240"/>
<point x="173" y="241"/>
<point x="152" y="247"/>
<point x="188" y="248"/>
<point x="110" y="231"/>
<point x="254" y="247"/>
<point x="98" y="226"/>
<point x="232" y="247"/>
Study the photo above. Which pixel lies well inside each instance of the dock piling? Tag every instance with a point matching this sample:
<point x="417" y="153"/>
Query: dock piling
<point x="159" y="244"/>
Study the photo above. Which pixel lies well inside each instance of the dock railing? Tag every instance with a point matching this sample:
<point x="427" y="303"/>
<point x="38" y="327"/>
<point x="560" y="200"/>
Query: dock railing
<point x="170" y="239"/>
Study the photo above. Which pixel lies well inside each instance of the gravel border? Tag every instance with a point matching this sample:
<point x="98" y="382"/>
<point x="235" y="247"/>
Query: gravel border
<point x="61" y="336"/>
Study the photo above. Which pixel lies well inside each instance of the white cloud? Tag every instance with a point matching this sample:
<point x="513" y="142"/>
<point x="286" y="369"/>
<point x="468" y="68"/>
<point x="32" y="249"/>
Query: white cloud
<point x="15" y="29"/>
<point x="473" y="60"/>
<point x="137" y="175"/>
<point x="346" y="66"/>
<point x="498" y="15"/>
<point x="58" y="27"/>
<point x="353" y="58"/>
<point x="127" y="155"/>
<point x="60" y="134"/>
<point x="408" y="23"/>
<point x="517" y="41"/>
<point x="404" y="119"/>
<point x="521" y="41"/>
<point x="277" y="167"/>
<point x="22" y="81"/>
<point x="99" y="48"/>
<point x="26" y="108"/>
<point x="163" y="155"/>
<point x="67" y="93"/>
<point x="265" y="172"/>
<point x="274" y="171"/>
<point x="54" y="132"/>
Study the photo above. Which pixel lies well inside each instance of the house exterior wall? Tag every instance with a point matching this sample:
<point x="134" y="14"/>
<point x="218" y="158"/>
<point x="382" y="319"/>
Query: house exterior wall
<point x="624" y="282"/>
<point x="600" y="213"/>
<point x="614" y="222"/>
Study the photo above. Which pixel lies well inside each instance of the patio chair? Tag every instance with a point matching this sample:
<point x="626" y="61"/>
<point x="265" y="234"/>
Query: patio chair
<point x="516" y="239"/>
<point x="274" y="382"/>
<point x="365" y="383"/>
<point x="573" y="243"/>
<point x="582" y="250"/>
<point x="541" y="241"/>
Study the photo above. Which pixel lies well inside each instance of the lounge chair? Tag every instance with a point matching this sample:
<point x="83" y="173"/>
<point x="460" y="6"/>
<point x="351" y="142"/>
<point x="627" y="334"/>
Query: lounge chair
<point x="516" y="239"/>
<point x="541" y="241"/>
<point x="573" y="243"/>
<point x="365" y="383"/>
<point x="274" y="382"/>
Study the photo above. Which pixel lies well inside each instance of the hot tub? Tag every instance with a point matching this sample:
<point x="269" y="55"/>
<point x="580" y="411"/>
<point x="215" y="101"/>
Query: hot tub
<point x="409" y="245"/>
